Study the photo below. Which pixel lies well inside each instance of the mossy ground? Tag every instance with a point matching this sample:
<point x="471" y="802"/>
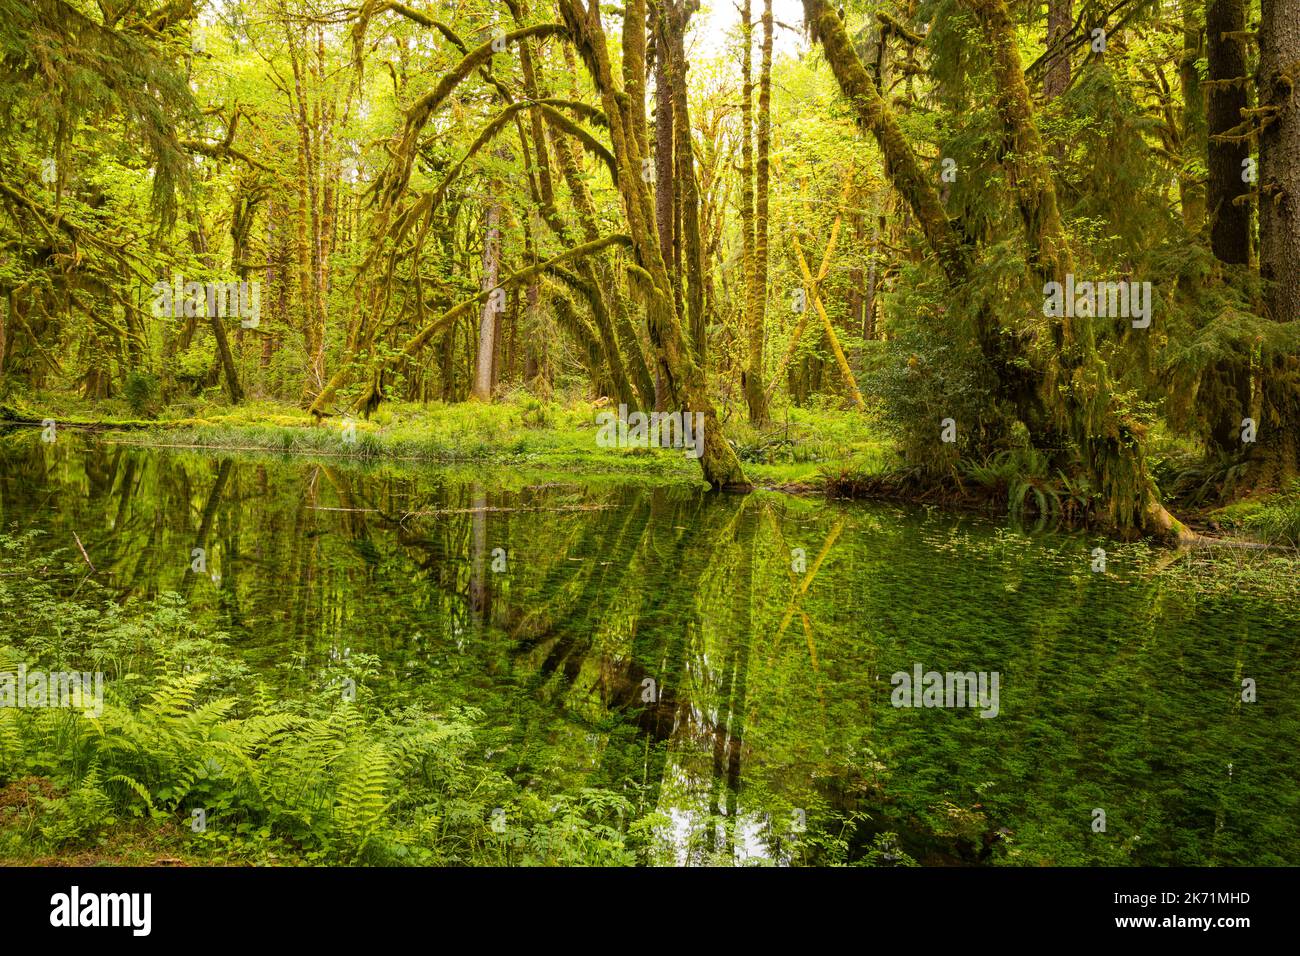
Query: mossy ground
<point x="519" y="431"/>
<point x="1271" y="517"/>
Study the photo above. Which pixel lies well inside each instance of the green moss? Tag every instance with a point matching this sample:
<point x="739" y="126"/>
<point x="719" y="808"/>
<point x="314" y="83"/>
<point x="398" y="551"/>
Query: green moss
<point x="1274" y="519"/>
<point x="521" y="431"/>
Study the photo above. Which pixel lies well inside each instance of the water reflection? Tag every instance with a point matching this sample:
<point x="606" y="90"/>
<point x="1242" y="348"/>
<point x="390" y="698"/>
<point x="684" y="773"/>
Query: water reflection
<point x="724" y="661"/>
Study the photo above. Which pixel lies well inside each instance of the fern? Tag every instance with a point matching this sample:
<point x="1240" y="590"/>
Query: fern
<point x="137" y="788"/>
<point x="361" y="799"/>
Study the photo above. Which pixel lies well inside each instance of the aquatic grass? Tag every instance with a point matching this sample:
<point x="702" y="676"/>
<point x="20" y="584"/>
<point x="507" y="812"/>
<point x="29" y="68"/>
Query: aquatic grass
<point x="364" y="569"/>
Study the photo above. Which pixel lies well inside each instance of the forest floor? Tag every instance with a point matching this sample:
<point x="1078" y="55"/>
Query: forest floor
<point x="794" y="452"/>
<point x="26" y="828"/>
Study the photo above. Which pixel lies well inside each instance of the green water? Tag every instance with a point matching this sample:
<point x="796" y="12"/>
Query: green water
<point x="549" y="605"/>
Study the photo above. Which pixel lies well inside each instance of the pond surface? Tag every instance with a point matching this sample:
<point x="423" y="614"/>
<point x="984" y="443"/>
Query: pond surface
<point x="728" y="659"/>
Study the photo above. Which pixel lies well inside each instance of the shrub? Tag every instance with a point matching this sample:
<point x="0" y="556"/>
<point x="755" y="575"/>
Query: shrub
<point x="144" y="394"/>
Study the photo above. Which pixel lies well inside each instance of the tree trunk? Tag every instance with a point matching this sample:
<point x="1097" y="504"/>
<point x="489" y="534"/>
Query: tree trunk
<point x="1056" y="77"/>
<point x="685" y="381"/>
<point x="873" y="281"/>
<point x="1226" y="393"/>
<point x="664" y="206"/>
<point x="1279" y="157"/>
<point x="634" y="73"/>
<point x="751" y="378"/>
<point x="488" y="316"/>
<point x="1077" y="380"/>
<point x="1278" y="447"/>
<point x="1193" y="136"/>
<point x="915" y="184"/>
<point x="858" y="279"/>
<point x="1230" y="221"/>
<point x="689" y="241"/>
<point x="199" y="242"/>
<point x="665" y="202"/>
<point x="1019" y="382"/>
<point x="755" y="393"/>
<point x="607" y="306"/>
<point x="309" y="242"/>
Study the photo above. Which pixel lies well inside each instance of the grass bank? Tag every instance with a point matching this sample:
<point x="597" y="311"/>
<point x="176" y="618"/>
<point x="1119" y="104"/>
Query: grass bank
<point x="797" y="448"/>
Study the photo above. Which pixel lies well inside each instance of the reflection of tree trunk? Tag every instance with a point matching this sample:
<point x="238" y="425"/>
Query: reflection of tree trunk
<point x="479" y="591"/>
<point x="126" y="489"/>
<point x="205" y="524"/>
<point x="618" y="541"/>
<point x="729" y="735"/>
<point x="573" y="622"/>
<point x="720" y="737"/>
<point x="304" y="563"/>
<point x="659" y="638"/>
<point x="354" y="519"/>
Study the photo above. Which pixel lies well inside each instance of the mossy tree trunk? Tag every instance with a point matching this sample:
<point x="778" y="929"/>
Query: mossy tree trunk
<point x="1278" y="446"/>
<point x="1226" y="392"/>
<point x="752" y="377"/>
<point x="593" y="273"/>
<point x="1191" y="189"/>
<point x="665" y="193"/>
<point x="225" y="359"/>
<point x="1226" y="98"/>
<point x="1079" y="389"/>
<point x="1005" y="352"/>
<point x="914" y="183"/>
<point x="488" y="315"/>
<point x="691" y="246"/>
<point x="684" y="378"/>
<point x="755" y="393"/>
